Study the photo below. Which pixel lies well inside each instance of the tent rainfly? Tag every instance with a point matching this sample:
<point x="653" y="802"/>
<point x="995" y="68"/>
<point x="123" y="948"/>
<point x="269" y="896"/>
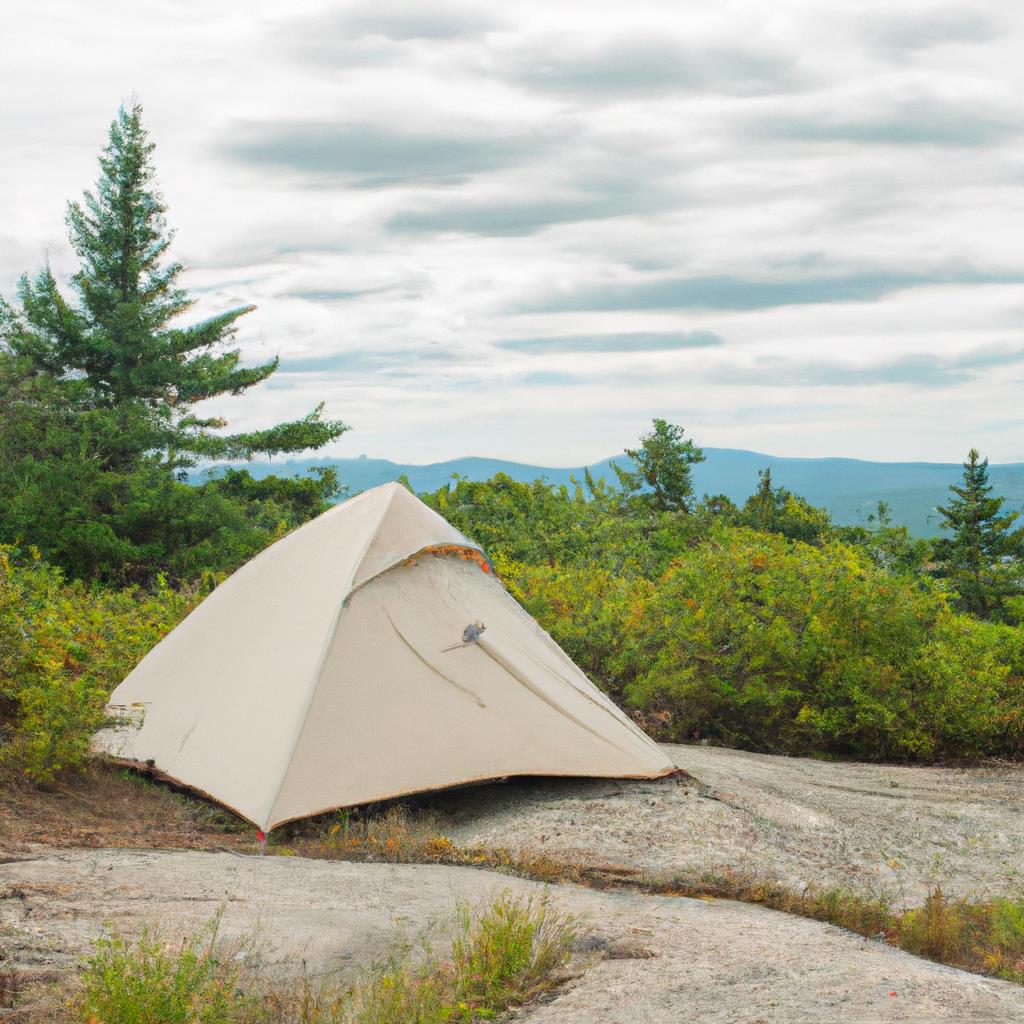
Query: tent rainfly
<point x="369" y="654"/>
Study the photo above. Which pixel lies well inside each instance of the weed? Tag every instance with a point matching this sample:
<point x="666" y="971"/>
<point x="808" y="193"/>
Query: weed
<point x="11" y="987"/>
<point x="986" y="937"/>
<point x="148" y="981"/>
<point x="508" y="952"/>
<point x="501" y="955"/>
<point x="938" y="930"/>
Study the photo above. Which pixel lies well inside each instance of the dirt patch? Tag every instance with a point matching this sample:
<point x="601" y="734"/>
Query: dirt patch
<point x="107" y="806"/>
<point x="672" y="960"/>
<point x="867" y="828"/>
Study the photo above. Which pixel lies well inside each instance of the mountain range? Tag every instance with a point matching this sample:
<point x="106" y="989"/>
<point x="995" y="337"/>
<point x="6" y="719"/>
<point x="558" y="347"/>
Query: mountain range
<point x="849" y="488"/>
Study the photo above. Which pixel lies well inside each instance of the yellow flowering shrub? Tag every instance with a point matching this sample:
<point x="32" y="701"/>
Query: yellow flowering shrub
<point x="63" y="647"/>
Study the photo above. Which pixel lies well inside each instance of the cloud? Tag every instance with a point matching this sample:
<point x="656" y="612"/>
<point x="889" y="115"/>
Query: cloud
<point x="513" y="218"/>
<point x="548" y="378"/>
<point x="329" y="294"/>
<point x="602" y="184"/>
<point x="635" y="342"/>
<point x="373" y="156"/>
<point x="642" y="66"/>
<point x="743" y="293"/>
<point x="396" y="21"/>
<point x="408" y="21"/>
<point x="917" y="122"/>
<point x="909" y="32"/>
<point x="359" y="361"/>
<point x="915" y="371"/>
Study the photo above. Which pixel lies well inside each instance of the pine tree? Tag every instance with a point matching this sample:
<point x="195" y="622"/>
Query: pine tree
<point x="123" y="337"/>
<point x="982" y="558"/>
<point x="98" y="397"/>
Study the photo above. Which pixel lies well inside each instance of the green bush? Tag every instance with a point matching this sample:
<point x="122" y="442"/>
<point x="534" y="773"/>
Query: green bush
<point x="149" y="981"/>
<point x="502" y="954"/>
<point x="63" y="647"/>
<point x="755" y="640"/>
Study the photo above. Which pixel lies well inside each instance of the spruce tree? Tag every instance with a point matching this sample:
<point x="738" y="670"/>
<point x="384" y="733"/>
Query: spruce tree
<point x="124" y="337"/>
<point x="982" y="557"/>
<point x="99" y="394"/>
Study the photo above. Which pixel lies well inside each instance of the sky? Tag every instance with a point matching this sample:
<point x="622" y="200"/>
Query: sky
<point x="523" y="230"/>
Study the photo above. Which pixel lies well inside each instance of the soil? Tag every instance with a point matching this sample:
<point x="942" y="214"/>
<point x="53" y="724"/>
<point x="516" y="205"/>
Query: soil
<point x="108" y="806"/>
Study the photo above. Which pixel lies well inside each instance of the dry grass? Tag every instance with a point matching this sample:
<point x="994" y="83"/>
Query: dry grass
<point x="865" y="916"/>
<point x="986" y="937"/>
<point x="397" y="836"/>
<point x="112" y="807"/>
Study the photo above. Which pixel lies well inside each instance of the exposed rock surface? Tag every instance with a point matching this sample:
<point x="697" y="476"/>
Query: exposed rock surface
<point x="870" y="828"/>
<point x="711" y="962"/>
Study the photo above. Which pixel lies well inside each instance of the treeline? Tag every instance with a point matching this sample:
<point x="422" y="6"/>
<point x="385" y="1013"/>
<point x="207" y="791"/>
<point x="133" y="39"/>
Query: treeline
<point x="766" y="626"/>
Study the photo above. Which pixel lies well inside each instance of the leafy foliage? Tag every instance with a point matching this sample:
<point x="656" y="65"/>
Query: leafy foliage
<point x="63" y="648"/>
<point x="764" y="627"/>
<point x="755" y="640"/>
<point x="778" y="510"/>
<point x="662" y="463"/>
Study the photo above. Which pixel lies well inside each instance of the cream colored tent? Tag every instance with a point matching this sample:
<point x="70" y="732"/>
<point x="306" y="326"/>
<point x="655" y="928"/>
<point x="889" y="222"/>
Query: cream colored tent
<point x="368" y="654"/>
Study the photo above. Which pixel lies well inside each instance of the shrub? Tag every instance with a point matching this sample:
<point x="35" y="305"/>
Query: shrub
<point x="150" y="982"/>
<point x="585" y="609"/>
<point x="63" y="647"/>
<point x="504" y="954"/>
<point x="780" y="645"/>
<point x="756" y="640"/>
<point x="501" y="954"/>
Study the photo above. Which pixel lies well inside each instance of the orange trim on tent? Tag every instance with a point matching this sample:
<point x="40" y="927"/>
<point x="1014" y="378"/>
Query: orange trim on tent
<point x="458" y="550"/>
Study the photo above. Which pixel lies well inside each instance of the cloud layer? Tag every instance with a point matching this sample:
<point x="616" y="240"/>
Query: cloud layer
<point x="482" y="228"/>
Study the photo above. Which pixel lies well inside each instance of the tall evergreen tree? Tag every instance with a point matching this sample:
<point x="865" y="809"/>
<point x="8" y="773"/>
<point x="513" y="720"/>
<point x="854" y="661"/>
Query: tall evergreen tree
<point x="124" y="338"/>
<point x="100" y="396"/>
<point x="982" y="557"/>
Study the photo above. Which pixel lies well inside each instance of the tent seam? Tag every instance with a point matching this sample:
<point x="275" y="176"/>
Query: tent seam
<point x="331" y="633"/>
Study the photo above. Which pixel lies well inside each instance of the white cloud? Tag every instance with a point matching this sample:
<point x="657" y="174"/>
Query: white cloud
<point x="402" y="190"/>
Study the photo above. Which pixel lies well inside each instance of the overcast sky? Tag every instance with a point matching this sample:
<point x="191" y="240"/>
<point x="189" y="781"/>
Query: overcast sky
<point x="523" y="230"/>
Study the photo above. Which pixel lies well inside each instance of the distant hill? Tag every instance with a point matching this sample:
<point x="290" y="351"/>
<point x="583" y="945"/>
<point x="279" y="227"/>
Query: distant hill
<point x="848" y="488"/>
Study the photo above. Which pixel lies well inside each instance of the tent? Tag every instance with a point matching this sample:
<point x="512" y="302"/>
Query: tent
<point x="368" y="654"/>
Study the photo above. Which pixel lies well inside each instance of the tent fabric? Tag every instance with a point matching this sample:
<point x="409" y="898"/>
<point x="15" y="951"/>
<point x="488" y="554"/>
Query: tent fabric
<point x="331" y="671"/>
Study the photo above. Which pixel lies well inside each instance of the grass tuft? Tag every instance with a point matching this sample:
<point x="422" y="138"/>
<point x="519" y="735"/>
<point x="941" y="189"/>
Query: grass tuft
<point x="499" y="956"/>
<point x="986" y="937"/>
<point x="398" y="836"/>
